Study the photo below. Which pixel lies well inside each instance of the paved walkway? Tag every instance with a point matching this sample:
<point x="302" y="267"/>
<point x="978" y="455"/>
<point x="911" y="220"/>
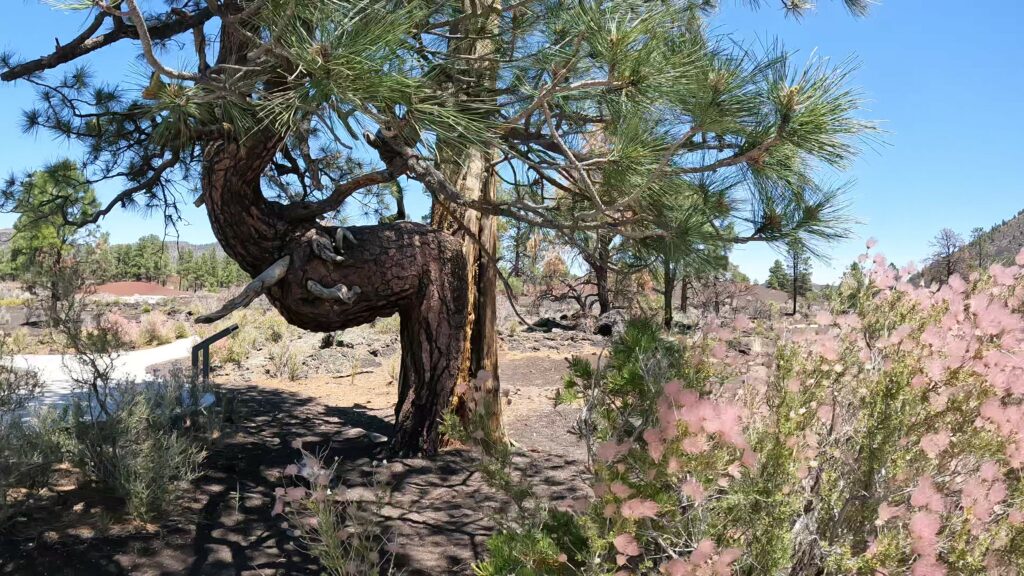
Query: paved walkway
<point x="54" y="368"/>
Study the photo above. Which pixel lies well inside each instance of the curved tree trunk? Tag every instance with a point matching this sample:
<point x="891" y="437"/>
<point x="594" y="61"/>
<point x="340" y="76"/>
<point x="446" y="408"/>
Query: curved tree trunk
<point x="405" y="268"/>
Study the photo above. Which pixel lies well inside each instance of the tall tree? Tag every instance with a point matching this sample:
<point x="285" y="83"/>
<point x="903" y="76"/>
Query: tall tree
<point x="945" y="259"/>
<point x="798" y="270"/>
<point x="49" y="203"/>
<point x="979" y="246"/>
<point x="455" y="95"/>
<point x="778" y="277"/>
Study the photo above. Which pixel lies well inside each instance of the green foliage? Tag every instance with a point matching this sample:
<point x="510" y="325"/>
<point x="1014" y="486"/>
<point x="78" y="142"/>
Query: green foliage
<point x="149" y="447"/>
<point x="778" y="278"/>
<point x="26" y="455"/>
<point x="209" y="270"/>
<point x="49" y="201"/>
<point x="880" y="443"/>
<point x="258" y="329"/>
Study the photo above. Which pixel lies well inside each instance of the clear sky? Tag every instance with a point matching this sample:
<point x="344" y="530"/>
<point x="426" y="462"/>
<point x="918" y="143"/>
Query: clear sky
<point x="945" y="79"/>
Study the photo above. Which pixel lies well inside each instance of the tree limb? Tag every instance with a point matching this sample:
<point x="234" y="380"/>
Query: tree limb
<point x="339" y="292"/>
<point x="252" y="290"/>
<point x="139" y="20"/>
<point x="305" y="210"/>
<point x="159" y="29"/>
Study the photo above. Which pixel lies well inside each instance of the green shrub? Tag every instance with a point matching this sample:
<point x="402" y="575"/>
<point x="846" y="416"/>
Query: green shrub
<point x="181" y="330"/>
<point x="146" y="442"/>
<point x="26" y="452"/>
<point x="888" y="440"/>
<point x="257" y="329"/>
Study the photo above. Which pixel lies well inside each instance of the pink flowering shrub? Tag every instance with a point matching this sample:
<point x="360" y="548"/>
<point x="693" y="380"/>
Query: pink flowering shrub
<point x="156" y="329"/>
<point x="120" y="330"/>
<point x="885" y="438"/>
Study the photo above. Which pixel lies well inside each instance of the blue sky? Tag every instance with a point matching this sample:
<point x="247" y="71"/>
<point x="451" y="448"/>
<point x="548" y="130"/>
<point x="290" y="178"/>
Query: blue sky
<point x="945" y="79"/>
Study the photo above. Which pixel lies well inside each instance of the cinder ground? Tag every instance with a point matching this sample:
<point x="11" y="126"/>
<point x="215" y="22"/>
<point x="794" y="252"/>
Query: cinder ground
<point x="439" y="510"/>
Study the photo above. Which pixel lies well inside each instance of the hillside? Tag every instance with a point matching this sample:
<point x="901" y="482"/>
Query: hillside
<point x="998" y="244"/>
<point x="1001" y="242"/>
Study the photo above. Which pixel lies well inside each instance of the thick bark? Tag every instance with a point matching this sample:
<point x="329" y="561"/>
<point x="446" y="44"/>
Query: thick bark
<point x="684" y="294"/>
<point x="604" y="300"/>
<point x="478" y="401"/>
<point x="404" y="268"/>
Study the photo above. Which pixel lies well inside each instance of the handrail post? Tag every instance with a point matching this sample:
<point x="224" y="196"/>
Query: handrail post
<point x="204" y="347"/>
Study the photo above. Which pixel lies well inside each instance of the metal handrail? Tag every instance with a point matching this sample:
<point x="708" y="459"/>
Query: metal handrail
<point x="204" y="347"/>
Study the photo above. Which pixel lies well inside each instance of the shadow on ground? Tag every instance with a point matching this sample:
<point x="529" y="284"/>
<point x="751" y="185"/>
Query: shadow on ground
<point x="439" y="510"/>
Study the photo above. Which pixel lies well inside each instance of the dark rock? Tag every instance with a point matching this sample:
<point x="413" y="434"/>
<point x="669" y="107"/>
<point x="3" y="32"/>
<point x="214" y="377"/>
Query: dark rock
<point x="611" y="324"/>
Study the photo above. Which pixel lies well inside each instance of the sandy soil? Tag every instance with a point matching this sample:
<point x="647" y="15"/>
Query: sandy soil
<point x="439" y="510"/>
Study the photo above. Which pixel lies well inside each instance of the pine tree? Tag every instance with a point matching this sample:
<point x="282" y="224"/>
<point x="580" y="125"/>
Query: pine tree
<point x="463" y="95"/>
<point x="798" y="270"/>
<point x="778" y="277"/>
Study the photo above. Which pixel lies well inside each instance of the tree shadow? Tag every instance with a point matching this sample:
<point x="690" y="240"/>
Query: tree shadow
<point x="439" y="511"/>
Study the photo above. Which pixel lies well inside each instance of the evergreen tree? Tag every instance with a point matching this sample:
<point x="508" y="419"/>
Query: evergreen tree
<point x="463" y="95"/>
<point x="798" y="270"/>
<point x="49" y="203"/>
<point x="778" y="277"/>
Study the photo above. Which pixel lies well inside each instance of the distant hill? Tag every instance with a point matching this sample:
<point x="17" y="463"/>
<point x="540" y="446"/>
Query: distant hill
<point x="999" y="244"/>
<point x="174" y="247"/>
<point x="1002" y="242"/>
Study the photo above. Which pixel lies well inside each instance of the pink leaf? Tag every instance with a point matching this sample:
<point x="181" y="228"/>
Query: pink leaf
<point x="627" y="544"/>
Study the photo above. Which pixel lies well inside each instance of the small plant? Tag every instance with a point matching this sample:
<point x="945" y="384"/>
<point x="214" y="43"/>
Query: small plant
<point x="387" y="326"/>
<point x="327" y="341"/>
<point x="181" y="330"/>
<point x="119" y="331"/>
<point x="156" y="329"/>
<point x="285" y="362"/>
<point x="257" y="329"/>
<point x="344" y="535"/>
<point x="18" y="341"/>
<point x="27" y="449"/>
<point x="146" y="443"/>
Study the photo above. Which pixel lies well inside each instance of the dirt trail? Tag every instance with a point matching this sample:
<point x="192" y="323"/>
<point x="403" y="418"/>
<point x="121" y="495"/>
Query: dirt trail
<point x="440" y="510"/>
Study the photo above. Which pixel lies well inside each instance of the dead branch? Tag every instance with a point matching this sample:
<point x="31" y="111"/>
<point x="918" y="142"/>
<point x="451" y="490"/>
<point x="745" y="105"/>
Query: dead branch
<point x="252" y="290"/>
<point x="339" y="292"/>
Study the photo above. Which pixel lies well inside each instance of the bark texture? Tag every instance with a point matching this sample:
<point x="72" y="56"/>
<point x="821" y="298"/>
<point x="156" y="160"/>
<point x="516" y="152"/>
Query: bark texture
<point x="669" y="281"/>
<point x="478" y="400"/>
<point x="405" y="268"/>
